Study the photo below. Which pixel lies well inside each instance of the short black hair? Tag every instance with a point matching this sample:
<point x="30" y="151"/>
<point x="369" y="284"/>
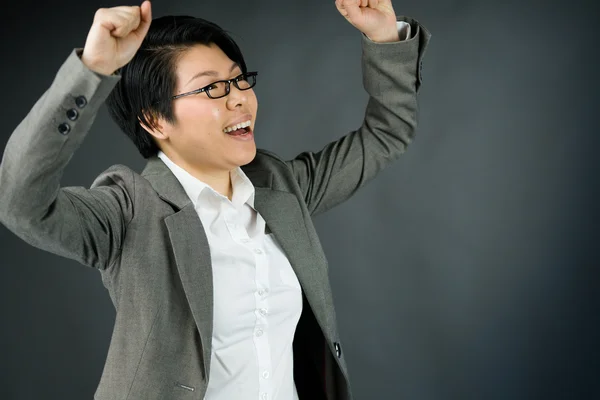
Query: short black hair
<point x="148" y="81"/>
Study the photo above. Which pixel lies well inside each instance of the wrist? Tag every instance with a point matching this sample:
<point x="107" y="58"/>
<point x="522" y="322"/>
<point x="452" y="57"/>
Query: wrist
<point x="96" y="66"/>
<point x="386" y="37"/>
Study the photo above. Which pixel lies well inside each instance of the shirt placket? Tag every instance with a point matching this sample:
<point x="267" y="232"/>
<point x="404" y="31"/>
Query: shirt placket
<point x="261" y="296"/>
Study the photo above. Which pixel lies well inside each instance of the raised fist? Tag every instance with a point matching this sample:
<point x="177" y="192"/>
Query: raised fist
<point x="116" y="34"/>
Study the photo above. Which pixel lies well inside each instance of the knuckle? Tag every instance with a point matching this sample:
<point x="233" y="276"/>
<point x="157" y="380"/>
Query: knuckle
<point x="100" y="13"/>
<point x="133" y="16"/>
<point x="133" y="11"/>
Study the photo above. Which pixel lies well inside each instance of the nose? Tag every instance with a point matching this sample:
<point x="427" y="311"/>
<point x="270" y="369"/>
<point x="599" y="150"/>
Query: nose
<point x="236" y="97"/>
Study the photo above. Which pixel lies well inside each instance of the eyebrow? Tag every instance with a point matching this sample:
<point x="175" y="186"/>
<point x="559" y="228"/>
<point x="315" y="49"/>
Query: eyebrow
<point x="212" y="73"/>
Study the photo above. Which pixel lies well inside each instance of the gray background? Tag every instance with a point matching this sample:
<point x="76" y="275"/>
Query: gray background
<point x="467" y="270"/>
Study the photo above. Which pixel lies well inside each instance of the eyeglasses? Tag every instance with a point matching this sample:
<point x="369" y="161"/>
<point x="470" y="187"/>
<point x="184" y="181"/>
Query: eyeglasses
<point x="220" y="89"/>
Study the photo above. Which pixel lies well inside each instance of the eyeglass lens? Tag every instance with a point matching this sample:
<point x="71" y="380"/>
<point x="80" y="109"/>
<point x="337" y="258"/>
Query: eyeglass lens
<point x="219" y="89"/>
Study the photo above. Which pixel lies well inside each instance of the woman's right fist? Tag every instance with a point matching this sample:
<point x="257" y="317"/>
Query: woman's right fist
<point x="115" y="36"/>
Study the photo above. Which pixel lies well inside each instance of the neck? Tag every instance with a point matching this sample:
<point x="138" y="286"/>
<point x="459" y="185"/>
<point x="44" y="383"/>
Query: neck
<point x="219" y="180"/>
<point x="221" y="183"/>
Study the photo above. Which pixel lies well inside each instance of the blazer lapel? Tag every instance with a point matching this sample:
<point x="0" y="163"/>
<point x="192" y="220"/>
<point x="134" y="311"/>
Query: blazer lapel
<point x="283" y="215"/>
<point x="192" y="256"/>
<point x="191" y="250"/>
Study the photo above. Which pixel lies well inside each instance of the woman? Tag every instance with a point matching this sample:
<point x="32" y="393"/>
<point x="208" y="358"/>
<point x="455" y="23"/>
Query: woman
<point x="209" y="255"/>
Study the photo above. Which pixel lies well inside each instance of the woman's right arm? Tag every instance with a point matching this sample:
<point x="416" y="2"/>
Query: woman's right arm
<point x="87" y="225"/>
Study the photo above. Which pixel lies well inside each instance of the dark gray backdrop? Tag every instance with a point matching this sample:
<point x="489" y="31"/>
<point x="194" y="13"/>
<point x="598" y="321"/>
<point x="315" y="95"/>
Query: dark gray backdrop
<point x="467" y="270"/>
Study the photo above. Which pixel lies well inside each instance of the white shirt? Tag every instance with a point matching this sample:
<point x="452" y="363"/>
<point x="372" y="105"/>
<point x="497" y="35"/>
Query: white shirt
<point x="257" y="297"/>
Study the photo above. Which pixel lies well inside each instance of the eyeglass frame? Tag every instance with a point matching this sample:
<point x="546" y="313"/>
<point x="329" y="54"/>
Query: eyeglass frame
<point x="227" y="82"/>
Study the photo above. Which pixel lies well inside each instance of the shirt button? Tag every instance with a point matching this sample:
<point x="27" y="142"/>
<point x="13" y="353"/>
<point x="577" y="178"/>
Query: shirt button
<point x="259" y="332"/>
<point x="258" y="251"/>
<point x="263" y="311"/>
<point x="266" y="374"/>
<point x="264" y="396"/>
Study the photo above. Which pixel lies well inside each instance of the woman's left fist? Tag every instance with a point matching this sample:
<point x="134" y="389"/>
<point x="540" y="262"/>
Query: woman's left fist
<point x="374" y="18"/>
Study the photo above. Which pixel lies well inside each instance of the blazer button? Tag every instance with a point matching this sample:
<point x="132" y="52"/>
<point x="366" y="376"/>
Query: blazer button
<point x="338" y="349"/>
<point x="72" y="114"/>
<point x="81" y="101"/>
<point x="64" y="128"/>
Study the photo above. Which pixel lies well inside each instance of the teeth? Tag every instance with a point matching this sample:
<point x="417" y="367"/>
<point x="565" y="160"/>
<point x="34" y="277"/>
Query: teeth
<point x="236" y="127"/>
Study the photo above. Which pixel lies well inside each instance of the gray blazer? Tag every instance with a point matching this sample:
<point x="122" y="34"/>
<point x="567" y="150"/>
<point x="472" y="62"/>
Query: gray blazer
<point x="142" y="233"/>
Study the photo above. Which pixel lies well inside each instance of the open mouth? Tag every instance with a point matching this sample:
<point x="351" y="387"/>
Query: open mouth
<point x="240" y="131"/>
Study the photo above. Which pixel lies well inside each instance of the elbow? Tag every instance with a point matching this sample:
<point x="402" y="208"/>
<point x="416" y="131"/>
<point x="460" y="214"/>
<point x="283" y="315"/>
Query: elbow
<point x="15" y="214"/>
<point x="14" y="219"/>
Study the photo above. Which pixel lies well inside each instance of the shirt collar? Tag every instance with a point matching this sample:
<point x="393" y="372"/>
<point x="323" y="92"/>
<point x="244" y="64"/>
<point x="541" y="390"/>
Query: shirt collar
<point x="243" y="190"/>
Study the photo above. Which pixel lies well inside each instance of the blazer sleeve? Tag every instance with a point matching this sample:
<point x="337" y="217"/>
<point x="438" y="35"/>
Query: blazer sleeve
<point x="87" y="225"/>
<point x="392" y="78"/>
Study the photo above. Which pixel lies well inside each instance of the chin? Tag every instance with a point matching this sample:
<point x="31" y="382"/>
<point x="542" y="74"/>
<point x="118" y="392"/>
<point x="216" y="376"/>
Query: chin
<point x="251" y="156"/>
<point x="246" y="157"/>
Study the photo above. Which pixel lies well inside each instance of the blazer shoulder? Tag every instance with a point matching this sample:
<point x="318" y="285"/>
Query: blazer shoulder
<point x="118" y="174"/>
<point x="267" y="160"/>
<point x="271" y="170"/>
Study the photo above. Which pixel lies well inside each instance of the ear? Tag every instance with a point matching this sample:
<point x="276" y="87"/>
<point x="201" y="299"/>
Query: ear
<point x="154" y="126"/>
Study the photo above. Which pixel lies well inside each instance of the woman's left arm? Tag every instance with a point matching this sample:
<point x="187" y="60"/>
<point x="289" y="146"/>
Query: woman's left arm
<point x="392" y="77"/>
